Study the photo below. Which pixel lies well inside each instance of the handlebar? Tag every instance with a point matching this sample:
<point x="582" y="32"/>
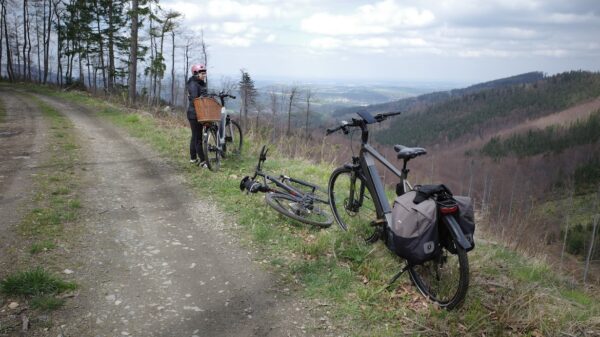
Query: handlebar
<point x="361" y="122"/>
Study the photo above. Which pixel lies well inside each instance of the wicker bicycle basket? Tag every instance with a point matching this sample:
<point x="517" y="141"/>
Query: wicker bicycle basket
<point x="207" y="109"/>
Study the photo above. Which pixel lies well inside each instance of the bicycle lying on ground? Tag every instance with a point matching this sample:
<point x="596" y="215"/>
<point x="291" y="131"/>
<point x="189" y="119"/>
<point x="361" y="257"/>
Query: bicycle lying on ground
<point x="358" y="198"/>
<point x="221" y="138"/>
<point x="298" y="202"/>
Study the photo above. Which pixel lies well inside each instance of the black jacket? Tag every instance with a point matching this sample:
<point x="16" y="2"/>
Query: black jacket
<point x="195" y="88"/>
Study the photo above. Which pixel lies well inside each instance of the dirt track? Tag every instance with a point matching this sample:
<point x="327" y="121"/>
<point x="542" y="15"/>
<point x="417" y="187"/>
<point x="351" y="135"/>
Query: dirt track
<point x="153" y="259"/>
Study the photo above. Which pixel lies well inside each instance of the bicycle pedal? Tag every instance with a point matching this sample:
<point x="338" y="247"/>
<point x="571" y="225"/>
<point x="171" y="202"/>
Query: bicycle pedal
<point x="378" y="223"/>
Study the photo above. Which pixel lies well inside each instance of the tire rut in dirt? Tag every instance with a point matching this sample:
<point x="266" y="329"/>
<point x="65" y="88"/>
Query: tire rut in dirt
<point x="157" y="260"/>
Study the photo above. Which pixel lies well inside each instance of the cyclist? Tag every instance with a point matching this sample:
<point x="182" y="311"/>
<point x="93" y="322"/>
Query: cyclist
<point x="196" y="87"/>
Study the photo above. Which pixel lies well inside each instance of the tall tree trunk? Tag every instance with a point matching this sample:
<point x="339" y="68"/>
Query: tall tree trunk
<point x="59" y="75"/>
<point x="173" y="67"/>
<point x="151" y="89"/>
<point x="17" y="51"/>
<point x="100" y="45"/>
<point x="293" y="92"/>
<point x="1" y="35"/>
<point x="111" y="51"/>
<point x="28" y="46"/>
<point x="47" y="31"/>
<point x="308" y="98"/>
<point x="37" y="38"/>
<point x="133" y="52"/>
<point x="162" y="39"/>
<point x="9" y="64"/>
<point x="24" y="38"/>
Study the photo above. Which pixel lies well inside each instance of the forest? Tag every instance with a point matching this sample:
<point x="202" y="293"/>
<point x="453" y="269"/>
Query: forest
<point x="97" y="45"/>
<point x="473" y="114"/>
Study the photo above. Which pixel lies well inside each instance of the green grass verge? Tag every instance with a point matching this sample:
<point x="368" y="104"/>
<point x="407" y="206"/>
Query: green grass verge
<point x="54" y="209"/>
<point x="34" y="282"/>
<point x="2" y="111"/>
<point x="56" y="200"/>
<point x="509" y="294"/>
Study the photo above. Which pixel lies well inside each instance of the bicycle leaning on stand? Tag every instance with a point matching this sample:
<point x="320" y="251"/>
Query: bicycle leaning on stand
<point x="358" y="198"/>
<point x="298" y="202"/>
<point x="221" y="136"/>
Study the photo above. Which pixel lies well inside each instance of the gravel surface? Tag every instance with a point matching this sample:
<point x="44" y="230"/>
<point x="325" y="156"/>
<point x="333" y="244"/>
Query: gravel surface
<point x="153" y="259"/>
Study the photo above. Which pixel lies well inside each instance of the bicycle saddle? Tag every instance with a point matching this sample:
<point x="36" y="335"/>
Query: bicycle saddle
<point x="405" y="152"/>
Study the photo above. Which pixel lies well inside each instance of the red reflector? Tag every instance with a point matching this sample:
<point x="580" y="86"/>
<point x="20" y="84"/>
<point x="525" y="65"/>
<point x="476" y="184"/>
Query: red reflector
<point x="449" y="210"/>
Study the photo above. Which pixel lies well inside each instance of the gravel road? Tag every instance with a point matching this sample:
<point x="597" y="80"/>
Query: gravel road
<point x="153" y="259"/>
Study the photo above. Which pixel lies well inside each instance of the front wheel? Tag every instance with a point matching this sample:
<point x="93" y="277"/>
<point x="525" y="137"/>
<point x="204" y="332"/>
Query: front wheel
<point x="210" y="146"/>
<point x="233" y="139"/>
<point x="445" y="279"/>
<point x="310" y="212"/>
<point x="351" y="201"/>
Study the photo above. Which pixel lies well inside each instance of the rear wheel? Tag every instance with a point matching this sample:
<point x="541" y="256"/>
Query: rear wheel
<point x="233" y="139"/>
<point x="444" y="279"/>
<point x="210" y="146"/>
<point x="312" y="212"/>
<point x="351" y="201"/>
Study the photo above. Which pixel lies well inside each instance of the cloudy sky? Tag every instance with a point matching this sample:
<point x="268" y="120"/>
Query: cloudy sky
<point x="393" y="40"/>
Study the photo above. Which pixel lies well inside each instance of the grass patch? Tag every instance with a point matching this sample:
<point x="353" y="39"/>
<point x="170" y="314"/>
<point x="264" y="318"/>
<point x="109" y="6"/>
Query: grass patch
<point x="56" y="201"/>
<point x="33" y="283"/>
<point x="509" y="294"/>
<point x="2" y="112"/>
<point x="43" y="246"/>
<point x="47" y="303"/>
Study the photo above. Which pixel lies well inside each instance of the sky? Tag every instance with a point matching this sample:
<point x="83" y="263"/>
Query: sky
<point x="463" y="41"/>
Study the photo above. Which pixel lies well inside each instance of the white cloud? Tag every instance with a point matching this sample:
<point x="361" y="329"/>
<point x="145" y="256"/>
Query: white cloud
<point x="326" y="43"/>
<point x="229" y="8"/>
<point x="382" y="17"/>
<point x="234" y="27"/>
<point x="377" y="42"/>
<point x="236" y="42"/>
<point x="551" y="52"/>
<point x="219" y="9"/>
<point x="270" y="38"/>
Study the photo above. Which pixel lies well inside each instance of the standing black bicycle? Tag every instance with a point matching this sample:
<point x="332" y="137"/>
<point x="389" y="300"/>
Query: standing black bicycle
<point x="298" y="202"/>
<point x="358" y="200"/>
<point x="221" y="138"/>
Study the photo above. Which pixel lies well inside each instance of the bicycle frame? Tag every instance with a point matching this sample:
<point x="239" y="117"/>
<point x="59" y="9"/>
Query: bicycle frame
<point x="222" y="124"/>
<point x="281" y="184"/>
<point x="368" y="156"/>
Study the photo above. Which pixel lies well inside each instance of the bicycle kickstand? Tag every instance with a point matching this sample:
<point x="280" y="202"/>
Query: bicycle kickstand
<point x="390" y="282"/>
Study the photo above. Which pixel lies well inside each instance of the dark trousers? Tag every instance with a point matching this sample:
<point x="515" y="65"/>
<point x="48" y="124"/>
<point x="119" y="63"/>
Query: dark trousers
<point x="196" y="141"/>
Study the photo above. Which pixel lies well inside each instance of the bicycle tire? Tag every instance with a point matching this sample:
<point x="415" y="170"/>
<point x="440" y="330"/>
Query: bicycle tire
<point x="210" y="147"/>
<point x="445" y="279"/>
<point x="358" y="215"/>
<point x="234" y="139"/>
<point x="288" y="205"/>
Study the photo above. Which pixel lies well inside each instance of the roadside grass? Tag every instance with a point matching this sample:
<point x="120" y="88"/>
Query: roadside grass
<point x="509" y="294"/>
<point x="56" y="201"/>
<point x="39" y="286"/>
<point x="2" y="112"/>
<point x="48" y="224"/>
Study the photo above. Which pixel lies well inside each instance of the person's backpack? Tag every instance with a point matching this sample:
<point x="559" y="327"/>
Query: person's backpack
<point x="413" y="233"/>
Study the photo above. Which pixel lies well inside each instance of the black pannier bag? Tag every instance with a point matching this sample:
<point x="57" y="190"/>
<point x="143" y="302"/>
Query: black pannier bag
<point x="466" y="218"/>
<point x="413" y="233"/>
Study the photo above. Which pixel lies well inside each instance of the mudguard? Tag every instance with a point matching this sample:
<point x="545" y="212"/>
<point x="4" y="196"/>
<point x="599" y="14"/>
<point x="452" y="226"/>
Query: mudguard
<point x="456" y="231"/>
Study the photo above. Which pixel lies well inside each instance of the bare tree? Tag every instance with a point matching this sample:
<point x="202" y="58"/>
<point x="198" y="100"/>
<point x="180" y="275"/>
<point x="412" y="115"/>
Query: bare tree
<point x="133" y="50"/>
<point x="293" y="95"/>
<point x="9" y="65"/>
<point x="274" y="103"/>
<point x="307" y="98"/>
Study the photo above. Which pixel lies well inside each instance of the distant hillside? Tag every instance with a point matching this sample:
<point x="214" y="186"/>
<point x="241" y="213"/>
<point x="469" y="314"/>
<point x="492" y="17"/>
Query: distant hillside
<point x="423" y="101"/>
<point x="474" y="113"/>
